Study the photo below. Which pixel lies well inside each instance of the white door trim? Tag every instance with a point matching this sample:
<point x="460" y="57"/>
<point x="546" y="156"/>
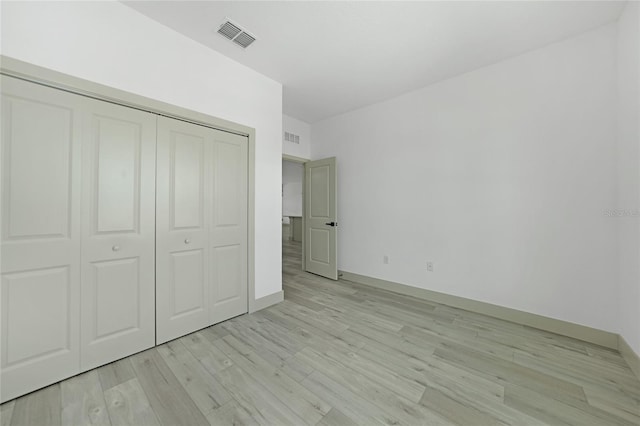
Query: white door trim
<point x="294" y="159"/>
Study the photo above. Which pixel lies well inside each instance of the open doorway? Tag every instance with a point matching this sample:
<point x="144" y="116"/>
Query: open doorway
<point x="309" y="216"/>
<point x="292" y="212"/>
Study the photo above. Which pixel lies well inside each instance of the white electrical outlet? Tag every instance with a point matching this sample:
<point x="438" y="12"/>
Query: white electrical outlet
<point x="430" y="266"/>
<point x="385" y="259"/>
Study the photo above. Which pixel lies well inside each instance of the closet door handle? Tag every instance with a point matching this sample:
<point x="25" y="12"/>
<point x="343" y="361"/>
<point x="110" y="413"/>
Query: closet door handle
<point x="187" y="241"/>
<point x="115" y="248"/>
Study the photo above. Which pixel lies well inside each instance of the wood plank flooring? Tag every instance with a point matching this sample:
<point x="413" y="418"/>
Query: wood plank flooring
<point x="338" y="353"/>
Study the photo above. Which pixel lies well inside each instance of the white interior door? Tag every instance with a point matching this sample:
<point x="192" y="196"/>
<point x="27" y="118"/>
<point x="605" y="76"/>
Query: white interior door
<point x="78" y="224"/>
<point x="201" y="227"/>
<point x="118" y="243"/>
<point x="41" y="158"/>
<point x="228" y="227"/>
<point x="182" y="248"/>
<point x="320" y="213"/>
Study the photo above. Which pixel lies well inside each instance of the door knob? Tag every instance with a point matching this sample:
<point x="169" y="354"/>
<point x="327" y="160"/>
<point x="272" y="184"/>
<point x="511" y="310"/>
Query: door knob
<point x="115" y="248"/>
<point x="332" y="223"/>
<point x="187" y="241"/>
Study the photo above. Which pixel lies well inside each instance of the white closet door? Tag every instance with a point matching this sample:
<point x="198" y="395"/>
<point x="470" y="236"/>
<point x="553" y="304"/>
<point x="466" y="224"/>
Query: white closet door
<point x="201" y="233"/>
<point x="228" y="227"/>
<point x="118" y="214"/>
<point x="182" y="273"/>
<point x="41" y="160"/>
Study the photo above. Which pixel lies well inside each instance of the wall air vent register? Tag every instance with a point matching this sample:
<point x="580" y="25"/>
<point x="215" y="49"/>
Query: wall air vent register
<point x="290" y="137"/>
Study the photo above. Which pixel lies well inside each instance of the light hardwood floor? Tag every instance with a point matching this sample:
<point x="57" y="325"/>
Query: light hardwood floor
<point x="337" y="353"/>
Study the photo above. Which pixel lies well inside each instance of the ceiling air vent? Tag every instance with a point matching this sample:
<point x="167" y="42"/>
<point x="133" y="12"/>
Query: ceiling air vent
<point x="235" y="33"/>
<point x="244" y="39"/>
<point x="229" y="30"/>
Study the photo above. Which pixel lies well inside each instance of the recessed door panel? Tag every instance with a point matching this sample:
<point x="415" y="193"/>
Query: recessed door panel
<point x="37" y="169"/>
<point x="41" y="146"/>
<point x="33" y="295"/>
<point x="118" y="286"/>
<point x="115" y="284"/>
<point x="187" y="180"/>
<point x="187" y="270"/>
<point x="117" y="194"/>
<point x="229" y="181"/>
<point x="227" y="271"/>
<point x="182" y="303"/>
<point x="320" y="183"/>
<point x="319" y="250"/>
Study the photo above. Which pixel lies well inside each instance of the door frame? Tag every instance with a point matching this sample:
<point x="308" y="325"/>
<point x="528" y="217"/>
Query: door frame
<point x="46" y="77"/>
<point x="300" y="160"/>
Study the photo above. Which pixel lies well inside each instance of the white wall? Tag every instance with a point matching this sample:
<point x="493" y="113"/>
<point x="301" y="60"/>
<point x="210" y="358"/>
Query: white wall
<point x="499" y="176"/>
<point x="629" y="173"/>
<point x="292" y="178"/>
<point x="110" y="43"/>
<point x="301" y="128"/>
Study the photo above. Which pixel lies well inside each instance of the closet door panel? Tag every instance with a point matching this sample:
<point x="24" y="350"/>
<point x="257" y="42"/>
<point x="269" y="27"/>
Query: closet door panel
<point x="186" y="156"/>
<point x="118" y="271"/>
<point x="181" y="237"/>
<point x="116" y="308"/>
<point x="187" y="281"/>
<point x="228" y="230"/>
<point x="40" y="239"/>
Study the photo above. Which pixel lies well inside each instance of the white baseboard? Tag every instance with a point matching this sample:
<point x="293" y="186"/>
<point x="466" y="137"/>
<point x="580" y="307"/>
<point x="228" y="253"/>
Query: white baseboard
<point x="565" y="328"/>
<point x="629" y="355"/>
<point x="266" y="301"/>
